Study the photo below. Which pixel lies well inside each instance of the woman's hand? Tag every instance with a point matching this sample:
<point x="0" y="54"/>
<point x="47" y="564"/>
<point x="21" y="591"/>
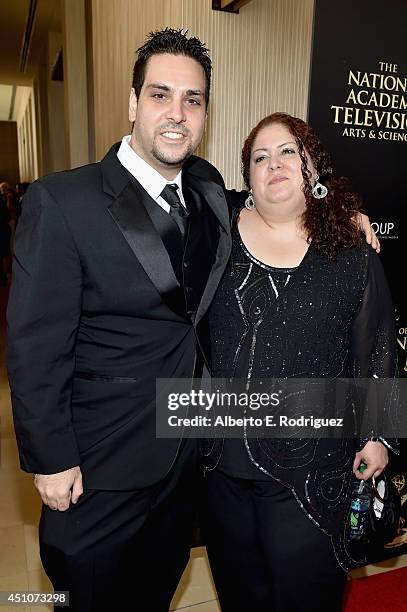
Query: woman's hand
<point x="375" y="456"/>
<point x="363" y="222"/>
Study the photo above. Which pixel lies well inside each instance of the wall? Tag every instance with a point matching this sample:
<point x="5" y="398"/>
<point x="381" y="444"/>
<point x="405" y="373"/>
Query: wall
<point x="75" y="83"/>
<point x="27" y="135"/>
<point x="118" y="29"/>
<point x="40" y="88"/>
<point x="56" y="107"/>
<point x="9" y="169"/>
<point x="261" y="63"/>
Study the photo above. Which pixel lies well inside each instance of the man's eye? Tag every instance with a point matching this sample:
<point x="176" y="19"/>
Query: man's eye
<point x="159" y="96"/>
<point x="193" y="102"/>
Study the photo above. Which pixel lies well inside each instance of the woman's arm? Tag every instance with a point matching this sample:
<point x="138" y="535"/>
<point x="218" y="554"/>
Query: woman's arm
<point x="373" y="351"/>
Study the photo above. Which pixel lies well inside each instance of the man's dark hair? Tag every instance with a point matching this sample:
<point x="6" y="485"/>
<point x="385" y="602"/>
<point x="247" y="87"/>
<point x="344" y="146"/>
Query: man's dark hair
<point x="174" y="42"/>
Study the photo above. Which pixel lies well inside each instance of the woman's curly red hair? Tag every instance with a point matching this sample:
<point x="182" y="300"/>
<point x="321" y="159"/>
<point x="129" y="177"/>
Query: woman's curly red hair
<point x="329" y="222"/>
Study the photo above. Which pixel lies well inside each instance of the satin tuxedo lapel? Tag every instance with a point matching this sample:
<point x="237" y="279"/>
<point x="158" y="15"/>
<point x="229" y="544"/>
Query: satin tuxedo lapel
<point x="212" y="195"/>
<point x="129" y="212"/>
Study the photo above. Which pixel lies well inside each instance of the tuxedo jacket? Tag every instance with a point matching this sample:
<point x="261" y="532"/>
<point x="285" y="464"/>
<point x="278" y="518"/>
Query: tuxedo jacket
<point x="103" y="302"/>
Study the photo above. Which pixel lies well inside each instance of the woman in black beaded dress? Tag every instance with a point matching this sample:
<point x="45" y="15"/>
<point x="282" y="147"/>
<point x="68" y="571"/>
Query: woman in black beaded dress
<point x="301" y="297"/>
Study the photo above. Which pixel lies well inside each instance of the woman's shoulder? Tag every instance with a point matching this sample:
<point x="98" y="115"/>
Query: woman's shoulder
<point x="358" y="253"/>
<point x="348" y="268"/>
<point x="363" y="253"/>
<point x="362" y="261"/>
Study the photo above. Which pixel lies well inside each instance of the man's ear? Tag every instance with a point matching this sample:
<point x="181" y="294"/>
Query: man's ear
<point x="132" y="105"/>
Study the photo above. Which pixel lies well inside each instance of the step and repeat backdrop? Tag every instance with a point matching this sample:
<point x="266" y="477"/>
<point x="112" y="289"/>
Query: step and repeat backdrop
<point x="358" y="106"/>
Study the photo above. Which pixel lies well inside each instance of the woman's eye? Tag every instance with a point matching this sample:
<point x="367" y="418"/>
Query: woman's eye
<point x="259" y="159"/>
<point x="288" y="151"/>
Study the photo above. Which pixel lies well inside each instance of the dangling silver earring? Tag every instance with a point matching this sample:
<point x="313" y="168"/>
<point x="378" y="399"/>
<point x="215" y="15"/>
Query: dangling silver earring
<point x="250" y="204"/>
<point x="319" y="191"/>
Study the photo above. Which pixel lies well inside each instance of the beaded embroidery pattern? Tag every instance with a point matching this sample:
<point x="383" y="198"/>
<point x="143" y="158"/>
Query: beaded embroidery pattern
<point x="280" y="323"/>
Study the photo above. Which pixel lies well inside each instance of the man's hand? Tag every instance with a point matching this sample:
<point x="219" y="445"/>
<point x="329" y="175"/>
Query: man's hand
<point x="58" y="490"/>
<point x="370" y="235"/>
<point x="374" y="455"/>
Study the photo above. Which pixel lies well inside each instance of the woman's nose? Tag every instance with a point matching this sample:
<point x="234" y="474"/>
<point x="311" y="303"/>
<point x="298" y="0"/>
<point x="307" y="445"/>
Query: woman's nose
<point x="274" y="162"/>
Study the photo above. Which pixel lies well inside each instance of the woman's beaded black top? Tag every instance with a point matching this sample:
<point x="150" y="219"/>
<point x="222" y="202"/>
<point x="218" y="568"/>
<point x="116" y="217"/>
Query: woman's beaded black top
<point x="325" y="318"/>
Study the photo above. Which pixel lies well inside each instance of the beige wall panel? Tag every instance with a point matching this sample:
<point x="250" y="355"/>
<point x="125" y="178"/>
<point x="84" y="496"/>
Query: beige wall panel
<point x="261" y="61"/>
<point x="119" y="27"/>
<point x="75" y="83"/>
<point x="27" y="136"/>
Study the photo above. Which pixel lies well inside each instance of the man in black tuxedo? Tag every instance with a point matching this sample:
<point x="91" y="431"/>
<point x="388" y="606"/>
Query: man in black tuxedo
<point x="115" y="266"/>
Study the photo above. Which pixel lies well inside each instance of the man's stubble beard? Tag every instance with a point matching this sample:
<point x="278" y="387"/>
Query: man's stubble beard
<point x="167" y="160"/>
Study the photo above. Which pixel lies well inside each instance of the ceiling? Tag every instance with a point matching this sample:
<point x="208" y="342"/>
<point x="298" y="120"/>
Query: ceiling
<point x="13" y="19"/>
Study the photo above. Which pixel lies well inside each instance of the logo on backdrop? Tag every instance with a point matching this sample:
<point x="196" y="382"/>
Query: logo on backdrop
<point x="358" y="104"/>
<point x="385" y="229"/>
<point x="402" y="341"/>
<point x="399" y="480"/>
<point x="375" y="105"/>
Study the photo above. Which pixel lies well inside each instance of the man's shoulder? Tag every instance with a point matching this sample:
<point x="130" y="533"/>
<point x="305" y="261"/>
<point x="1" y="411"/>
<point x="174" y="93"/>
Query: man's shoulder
<point x="75" y="179"/>
<point x="79" y="188"/>
<point x="201" y="168"/>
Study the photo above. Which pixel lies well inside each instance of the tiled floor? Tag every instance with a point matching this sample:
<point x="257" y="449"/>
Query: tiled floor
<point x="20" y="566"/>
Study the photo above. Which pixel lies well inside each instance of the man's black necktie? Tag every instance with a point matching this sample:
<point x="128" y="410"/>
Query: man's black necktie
<point x="177" y="211"/>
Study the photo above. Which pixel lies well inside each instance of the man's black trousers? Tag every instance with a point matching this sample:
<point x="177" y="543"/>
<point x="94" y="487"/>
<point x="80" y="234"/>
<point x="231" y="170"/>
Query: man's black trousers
<point x="124" y="550"/>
